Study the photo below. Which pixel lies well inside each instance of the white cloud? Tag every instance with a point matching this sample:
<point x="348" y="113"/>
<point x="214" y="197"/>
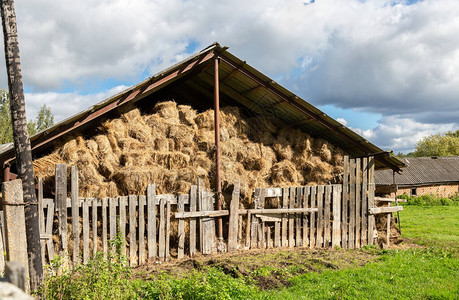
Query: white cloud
<point x="381" y="56"/>
<point x="342" y="121"/>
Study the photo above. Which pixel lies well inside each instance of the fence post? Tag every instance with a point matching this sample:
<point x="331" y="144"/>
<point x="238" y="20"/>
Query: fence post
<point x="15" y="230"/>
<point x="61" y="205"/>
<point x="16" y="273"/>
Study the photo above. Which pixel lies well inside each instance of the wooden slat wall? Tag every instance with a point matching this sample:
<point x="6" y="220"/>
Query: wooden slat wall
<point x="337" y="217"/>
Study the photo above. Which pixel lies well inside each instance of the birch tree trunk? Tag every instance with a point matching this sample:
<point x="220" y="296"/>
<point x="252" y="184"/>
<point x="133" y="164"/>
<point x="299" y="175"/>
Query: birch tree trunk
<point x="22" y="142"/>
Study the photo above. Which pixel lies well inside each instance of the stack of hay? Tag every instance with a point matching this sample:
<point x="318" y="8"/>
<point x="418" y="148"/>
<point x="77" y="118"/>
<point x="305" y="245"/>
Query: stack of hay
<point x="175" y="145"/>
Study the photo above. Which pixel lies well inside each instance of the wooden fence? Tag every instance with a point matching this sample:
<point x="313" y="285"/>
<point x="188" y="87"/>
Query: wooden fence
<point x="161" y="227"/>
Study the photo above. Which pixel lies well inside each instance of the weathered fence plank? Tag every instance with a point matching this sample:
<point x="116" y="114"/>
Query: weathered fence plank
<point x="49" y="230"/>
<point x="358" y="218"/>
<point x="61" y="204"/>
<point x="132" y="232"/>
<point x="364" y="228"/>
<point x="112" y="210"/>
<point x="291" y="219"/>
<point x="352" y="184"/>
<point x="41" y="224"/>
<point x="168" y="230"/>
<point x="104" y="227"/>
<point x="162" y="230"/>
<point x="181" y="229"/>
<point x="320" y="216"/>
<point x="345" y="204"/>
<point x="327" y="233"/>
<point x="122" y="223"/>
<point x="336" y="231"/>
<point x="307" y="191"/>
<point x="233" y="218"/>
<point x="312" y="217"/>
<point x="284" y="217"/>
<point x="298" y="204"/>
<point x="142" y="256"/>
<point x="151" y="207"/>
<point x="371" y="202"/>
<point x="193" y="196"/>
<point x="85" y="230"/>
<point x="74" y="187"/>
<point x="94" y="227"/>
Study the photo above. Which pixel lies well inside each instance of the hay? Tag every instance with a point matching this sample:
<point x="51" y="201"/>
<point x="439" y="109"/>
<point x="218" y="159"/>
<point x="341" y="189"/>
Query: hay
<point x="174" y="146"/>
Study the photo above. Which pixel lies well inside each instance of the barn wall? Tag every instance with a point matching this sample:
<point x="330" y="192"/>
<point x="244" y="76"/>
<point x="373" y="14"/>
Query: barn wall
<point x="448" y="190"/>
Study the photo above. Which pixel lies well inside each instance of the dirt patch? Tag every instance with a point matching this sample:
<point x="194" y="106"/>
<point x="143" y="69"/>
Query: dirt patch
<point x="268" y="269"/>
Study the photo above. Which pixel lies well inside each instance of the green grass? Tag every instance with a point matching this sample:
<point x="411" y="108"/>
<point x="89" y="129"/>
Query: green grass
<point x="416" y="273"/>
<point x="436" y="226"/>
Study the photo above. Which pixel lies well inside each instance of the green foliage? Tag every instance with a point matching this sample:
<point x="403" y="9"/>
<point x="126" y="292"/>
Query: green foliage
<point x="442" y="144"/>
<point x="44" y="119"/>
<point x="430" y="200"/>
<point x="210" y="283"/>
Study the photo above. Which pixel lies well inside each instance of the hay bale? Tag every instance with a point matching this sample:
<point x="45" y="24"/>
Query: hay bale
<point x="168" y="111"/>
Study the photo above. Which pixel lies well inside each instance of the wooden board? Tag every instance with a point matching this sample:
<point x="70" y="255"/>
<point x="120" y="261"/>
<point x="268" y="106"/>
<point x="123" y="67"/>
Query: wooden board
<point x="49" y="230"/>
<point x="122" y="223"/>
<point x="312" y="217"/>
<point x="41" y="225"/>
<point x="285" y="193"/>
<point x="371" y="218"/>
<point x="233" y="218"/>
<point x="255" y="236"/>
<point x="104" y="227"/>
<point x="345" y="204"/>
<point x="132" y="232"/>
<point x="162" y="230"/>
<point x="193" y="198"/>
<point x="384" y="210"/>
<point x="168" y="230"/>
<point x="85" y="231"/>
<point x="142" y="255"/>
<point x="352" y="183"/>
<point x="320" y="216"/>
<point x="74" y="188"/>
<point x="291" y="219"/>
<point x="336" y="230"/>
<point x="94" y="226"/>
<point x="364" y="227"/>
<point x="61" y="204"/>
<point x="181" y="230"/>
<point x="307" y="191"/>
<point x="327" y="207"/>
<point x="151" y="208"/>
<point x="113" y="202"/>
<point x="358" y="218"/>
<point x="298" y="204"/>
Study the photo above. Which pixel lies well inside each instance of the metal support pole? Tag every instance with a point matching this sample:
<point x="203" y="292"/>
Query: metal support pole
<point x="217" y="148"/>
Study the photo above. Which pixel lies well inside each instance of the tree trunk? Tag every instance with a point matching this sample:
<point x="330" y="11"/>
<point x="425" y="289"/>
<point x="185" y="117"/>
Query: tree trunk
<point x="22" y="142"/>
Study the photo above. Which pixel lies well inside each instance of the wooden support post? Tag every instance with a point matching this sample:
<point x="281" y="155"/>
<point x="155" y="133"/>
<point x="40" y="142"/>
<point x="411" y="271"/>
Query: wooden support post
<point x="193" y="198"/>
<point x="371" y="198"/>
<point x="2" y="249"/>
<point x="75" y="214"/>
<point x="181" y="228"/>
<point x="168" y="229"/>
<point x="16" y="274"/>
<point x="298" y="204"/>
<point x="151" y="207"/>
<point x="233" y="218"/>
<point x="388" y="229"/>
<point x="61" y="204"/>
<point x="291" y="219"/>
<point x="320" y="216"/>
<point x="14" y="226"/>
<point x="358" y="218"/>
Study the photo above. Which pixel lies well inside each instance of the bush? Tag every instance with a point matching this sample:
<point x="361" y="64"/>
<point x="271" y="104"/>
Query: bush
<point x="430" y="200"/>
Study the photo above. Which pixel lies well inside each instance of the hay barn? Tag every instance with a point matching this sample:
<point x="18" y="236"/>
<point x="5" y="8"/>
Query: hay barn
<point x="437" y="176"/>
<point x="285" y="166"/>
<point x="161" y="130"/>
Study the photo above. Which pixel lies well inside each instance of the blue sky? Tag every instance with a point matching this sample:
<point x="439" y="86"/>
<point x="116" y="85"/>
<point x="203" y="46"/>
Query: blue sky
<point x="385" y="68"/>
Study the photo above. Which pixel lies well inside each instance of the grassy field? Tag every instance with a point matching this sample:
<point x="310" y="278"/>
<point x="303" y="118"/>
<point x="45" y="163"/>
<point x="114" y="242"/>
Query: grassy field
<point x="429" y="271"/>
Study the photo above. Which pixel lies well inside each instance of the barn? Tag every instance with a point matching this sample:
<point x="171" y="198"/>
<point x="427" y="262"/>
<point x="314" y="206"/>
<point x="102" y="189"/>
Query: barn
<point x="436" y="175"/>
<point x="280" y="161"/>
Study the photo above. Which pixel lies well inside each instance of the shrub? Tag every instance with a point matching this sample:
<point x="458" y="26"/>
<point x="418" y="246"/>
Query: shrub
<point x="430" y="200"/>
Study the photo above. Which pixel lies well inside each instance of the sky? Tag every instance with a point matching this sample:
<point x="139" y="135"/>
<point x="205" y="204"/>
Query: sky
<point x="387" y="69"/>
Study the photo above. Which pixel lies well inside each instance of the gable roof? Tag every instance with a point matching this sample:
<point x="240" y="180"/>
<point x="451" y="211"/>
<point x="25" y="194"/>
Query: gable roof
<point x="423" y="171"/>
<point x="240" y="84"/>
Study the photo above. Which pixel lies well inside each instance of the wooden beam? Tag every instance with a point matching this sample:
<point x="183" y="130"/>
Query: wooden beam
<point x="384" y="210"/>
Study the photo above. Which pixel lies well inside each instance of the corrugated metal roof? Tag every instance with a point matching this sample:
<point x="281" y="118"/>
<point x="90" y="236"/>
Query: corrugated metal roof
<point x="239" y="82"/>
<point x="423" y="171"/>
<point x="6" y="147"/>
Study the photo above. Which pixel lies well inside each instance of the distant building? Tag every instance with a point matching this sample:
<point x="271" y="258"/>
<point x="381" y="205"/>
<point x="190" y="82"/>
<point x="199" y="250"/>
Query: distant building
<point x="423" y="176"/>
